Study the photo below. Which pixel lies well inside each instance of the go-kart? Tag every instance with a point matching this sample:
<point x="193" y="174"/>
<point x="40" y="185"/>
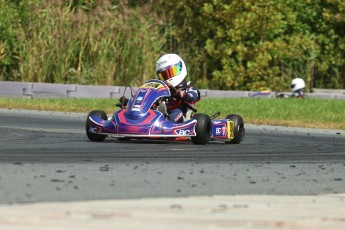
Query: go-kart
<point x="144" y="116"/>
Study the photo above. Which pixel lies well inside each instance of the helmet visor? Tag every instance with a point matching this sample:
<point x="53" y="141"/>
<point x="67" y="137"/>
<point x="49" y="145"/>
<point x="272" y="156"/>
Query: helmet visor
<point x="169" y="71"/>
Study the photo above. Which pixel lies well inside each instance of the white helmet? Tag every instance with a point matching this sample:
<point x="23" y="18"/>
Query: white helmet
<point x="297" y="84"/>
<point x="171" y="69"/>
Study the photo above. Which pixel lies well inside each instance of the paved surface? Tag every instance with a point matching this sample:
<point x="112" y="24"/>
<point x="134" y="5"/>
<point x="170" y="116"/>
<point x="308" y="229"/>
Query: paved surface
<point x="218" y="212"/>
<point x="46" y="157"/>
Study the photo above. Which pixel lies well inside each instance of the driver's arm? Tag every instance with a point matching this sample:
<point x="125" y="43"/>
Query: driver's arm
<point x="191" y="95"/>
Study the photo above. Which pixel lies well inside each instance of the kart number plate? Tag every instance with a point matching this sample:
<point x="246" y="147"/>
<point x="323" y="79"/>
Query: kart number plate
<point x="231" y="130"/>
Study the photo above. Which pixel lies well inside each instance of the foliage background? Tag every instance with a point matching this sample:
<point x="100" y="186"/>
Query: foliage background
<point x="240" y="45"/>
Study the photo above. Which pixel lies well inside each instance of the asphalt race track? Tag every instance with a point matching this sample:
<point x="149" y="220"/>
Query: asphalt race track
<point x="46" y="156"/>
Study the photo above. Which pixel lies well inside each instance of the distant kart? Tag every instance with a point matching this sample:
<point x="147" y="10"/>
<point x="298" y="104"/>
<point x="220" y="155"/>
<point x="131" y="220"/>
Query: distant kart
<point x="144" y="116"/>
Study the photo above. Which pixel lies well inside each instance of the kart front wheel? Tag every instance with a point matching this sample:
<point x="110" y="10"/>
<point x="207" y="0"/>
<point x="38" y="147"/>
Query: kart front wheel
<point x="94" y="136"/>
<point x="239" y="130"/>
<point x="202" y="128"/>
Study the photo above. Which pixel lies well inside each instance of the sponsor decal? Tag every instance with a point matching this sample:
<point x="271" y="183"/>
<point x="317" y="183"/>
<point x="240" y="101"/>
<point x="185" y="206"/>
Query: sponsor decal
<point x="142" y="91"/>
<point x="93" y="129"/>
<point x="182" y="132"/>
<point x="221" y="131"/>
<point x="139" y="98"/>
<point x="178" y="117"/>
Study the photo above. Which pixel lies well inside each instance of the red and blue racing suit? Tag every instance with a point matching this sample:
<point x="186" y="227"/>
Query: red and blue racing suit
<point x="177" y="107"/>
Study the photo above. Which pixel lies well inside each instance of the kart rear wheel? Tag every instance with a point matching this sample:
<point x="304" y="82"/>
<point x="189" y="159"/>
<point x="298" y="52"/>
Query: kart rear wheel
<point x="239" y="130"/>
<point x="94" y="136"/>
<point x="202" y="129"/>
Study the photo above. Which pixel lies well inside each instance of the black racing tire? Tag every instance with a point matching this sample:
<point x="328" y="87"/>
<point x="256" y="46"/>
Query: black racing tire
<point x="202" y="128"/>
<point x="239" y="130"/>
<point x="94" y="136"/>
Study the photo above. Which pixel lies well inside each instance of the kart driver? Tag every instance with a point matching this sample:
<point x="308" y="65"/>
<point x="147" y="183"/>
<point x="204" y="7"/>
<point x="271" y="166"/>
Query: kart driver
<point x="297" y="86"/>
<point x="172" y="69"/>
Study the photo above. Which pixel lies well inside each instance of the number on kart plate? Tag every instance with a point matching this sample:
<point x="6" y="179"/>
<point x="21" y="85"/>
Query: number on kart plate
<point x="152" y="85"/>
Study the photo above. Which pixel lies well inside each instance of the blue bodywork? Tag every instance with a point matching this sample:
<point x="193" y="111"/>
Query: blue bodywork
<point x="140" y="118"/>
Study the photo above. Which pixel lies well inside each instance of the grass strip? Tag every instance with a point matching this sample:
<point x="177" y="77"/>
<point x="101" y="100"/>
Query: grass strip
<point x="311" y="113"/>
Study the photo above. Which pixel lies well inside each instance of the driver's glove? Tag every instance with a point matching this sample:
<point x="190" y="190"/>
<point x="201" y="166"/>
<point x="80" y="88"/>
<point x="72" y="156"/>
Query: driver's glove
<point x="180" y="94"/>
